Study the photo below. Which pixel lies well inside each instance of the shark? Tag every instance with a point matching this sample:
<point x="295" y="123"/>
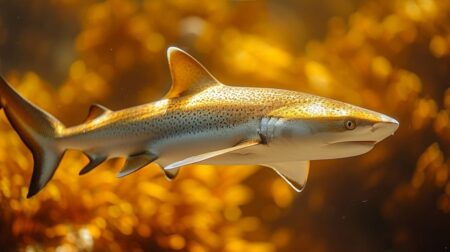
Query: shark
<point x="201" y="121"/>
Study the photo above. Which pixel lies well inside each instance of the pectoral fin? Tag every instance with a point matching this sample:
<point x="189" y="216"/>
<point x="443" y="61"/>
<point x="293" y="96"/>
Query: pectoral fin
<point x="136" y="162"/>
<point x="294" y="173"/>
<point x="204" y="156"/>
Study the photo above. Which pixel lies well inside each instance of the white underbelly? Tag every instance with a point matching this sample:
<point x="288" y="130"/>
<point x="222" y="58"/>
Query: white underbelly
<point x="254" y="155"/>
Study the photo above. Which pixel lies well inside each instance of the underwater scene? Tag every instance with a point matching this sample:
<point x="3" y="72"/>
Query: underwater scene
<point x="389" y="56"/>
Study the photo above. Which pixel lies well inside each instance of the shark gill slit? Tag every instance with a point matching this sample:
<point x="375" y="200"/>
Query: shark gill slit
<point x="267" y="128"/>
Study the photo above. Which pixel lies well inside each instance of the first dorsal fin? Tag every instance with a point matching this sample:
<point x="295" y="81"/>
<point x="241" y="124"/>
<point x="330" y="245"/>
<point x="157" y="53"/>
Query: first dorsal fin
<point x="95" y="111"/>
<point x="188" y="75"/>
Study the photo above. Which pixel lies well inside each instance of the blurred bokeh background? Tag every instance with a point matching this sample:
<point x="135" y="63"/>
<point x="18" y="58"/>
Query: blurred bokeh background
<point x="391" y="56"/>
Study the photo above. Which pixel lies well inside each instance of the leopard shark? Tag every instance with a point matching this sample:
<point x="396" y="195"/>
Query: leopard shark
<point x="201" y="121"/>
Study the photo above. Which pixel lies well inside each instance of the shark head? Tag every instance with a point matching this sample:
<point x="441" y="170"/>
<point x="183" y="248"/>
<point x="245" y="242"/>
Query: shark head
<point x="322" y="128"/>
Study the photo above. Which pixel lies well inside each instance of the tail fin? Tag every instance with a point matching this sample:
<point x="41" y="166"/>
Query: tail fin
<point x="38" y="130"/>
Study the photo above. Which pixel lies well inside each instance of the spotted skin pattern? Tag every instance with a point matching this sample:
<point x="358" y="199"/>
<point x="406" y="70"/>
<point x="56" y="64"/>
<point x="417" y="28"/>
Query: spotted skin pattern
<point x="207" y="106"/>
<point x="200" y="121"/>
<point x="216" y="108"/>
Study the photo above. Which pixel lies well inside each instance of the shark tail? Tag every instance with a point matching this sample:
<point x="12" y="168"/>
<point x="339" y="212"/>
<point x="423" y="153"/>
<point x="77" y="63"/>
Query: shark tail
<point x="38" y="130"/>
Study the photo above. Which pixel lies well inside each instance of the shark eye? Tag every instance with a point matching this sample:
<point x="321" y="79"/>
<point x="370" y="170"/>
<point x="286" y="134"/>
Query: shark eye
<point x="350" y="124"/>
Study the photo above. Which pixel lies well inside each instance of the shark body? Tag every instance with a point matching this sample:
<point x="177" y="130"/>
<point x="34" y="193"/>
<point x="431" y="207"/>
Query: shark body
<point x="202" y="121"/>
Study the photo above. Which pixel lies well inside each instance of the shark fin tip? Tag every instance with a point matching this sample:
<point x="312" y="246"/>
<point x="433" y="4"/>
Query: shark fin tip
<point x="121" y="174"/>
<point x="33" y="190"/>
<point x="30" y="194"/>
<point x="171" y="50"/>
<point x="298" y="189"/>
<point x="82" y="172"/>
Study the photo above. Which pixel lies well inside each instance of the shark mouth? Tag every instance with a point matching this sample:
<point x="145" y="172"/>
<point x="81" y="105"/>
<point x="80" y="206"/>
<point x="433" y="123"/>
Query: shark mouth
<point x="362" y="143"/>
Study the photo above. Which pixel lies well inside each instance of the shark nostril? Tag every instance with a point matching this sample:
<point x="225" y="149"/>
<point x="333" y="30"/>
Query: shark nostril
<point x="384" y="129"/>
<point x="376" y="126"/>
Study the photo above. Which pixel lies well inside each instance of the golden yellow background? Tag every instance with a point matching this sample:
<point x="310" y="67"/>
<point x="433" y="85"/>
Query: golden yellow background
<point x="391" y="56"/>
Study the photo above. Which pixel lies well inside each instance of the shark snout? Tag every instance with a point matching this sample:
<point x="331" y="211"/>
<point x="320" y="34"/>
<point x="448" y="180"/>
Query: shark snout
<point x="375" y="133"/>
<point x="385" y="128"/>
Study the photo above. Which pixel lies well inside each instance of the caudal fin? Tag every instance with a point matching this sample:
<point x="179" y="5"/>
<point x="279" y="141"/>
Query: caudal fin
<point x="38" y="130"/>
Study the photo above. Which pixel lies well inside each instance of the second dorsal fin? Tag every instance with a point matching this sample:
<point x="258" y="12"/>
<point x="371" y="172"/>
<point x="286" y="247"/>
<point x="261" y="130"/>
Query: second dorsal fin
<point x="188" y="75"/>
<point x="95" y="111"/>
